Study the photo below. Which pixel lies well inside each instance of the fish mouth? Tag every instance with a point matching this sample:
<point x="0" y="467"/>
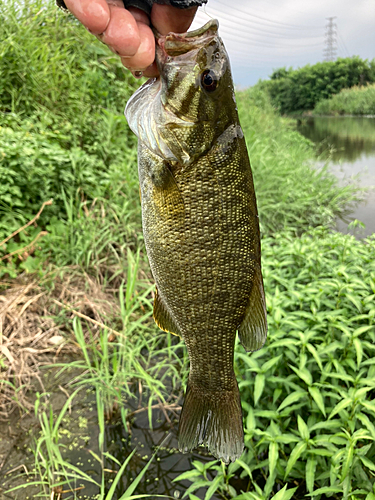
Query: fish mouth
<point x="175" y="44"/>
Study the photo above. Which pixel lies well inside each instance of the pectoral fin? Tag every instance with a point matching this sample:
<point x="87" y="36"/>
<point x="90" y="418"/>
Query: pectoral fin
<point x="253" y="329"/>
<point x="163" y="318"/>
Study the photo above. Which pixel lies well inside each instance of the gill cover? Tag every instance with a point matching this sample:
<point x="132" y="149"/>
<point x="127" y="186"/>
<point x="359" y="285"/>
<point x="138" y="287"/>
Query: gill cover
<point x="168" y="114"/>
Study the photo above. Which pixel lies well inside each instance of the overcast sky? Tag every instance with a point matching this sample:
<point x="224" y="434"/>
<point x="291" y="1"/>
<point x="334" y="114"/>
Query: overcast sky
<point x="262" y="35"/>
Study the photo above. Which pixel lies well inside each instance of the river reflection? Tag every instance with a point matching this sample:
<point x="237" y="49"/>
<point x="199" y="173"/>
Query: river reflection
<point x="350" y="142"/>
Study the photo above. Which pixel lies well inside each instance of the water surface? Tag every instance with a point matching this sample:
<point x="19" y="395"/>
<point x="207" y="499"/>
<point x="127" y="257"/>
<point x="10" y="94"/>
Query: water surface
<point x="350" y="141"/>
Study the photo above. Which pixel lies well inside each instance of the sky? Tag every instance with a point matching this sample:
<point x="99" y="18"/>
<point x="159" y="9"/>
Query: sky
<point x="263" y="35"/>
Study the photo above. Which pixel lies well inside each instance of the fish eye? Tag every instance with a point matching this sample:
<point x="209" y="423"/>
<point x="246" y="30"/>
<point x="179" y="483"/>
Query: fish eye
<point x="209" y="80"/>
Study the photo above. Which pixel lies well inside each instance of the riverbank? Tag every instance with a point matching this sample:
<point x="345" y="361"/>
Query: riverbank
<point x="76" y="293"/>
<point x="353" y="101"/>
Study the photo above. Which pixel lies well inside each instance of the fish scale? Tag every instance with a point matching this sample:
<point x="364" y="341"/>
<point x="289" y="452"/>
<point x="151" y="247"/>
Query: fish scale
<point x="201" y="228"/>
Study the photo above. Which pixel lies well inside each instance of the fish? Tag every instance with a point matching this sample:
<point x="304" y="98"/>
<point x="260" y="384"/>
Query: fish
<point x="201" y="228"/>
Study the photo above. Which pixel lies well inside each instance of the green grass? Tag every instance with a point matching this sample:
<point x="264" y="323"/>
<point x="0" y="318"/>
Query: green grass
<point x="308" y="395"/>
<point x="292" y="193"/>
<point x="353" y="101"/>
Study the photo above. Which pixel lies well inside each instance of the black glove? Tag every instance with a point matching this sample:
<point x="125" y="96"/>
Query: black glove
<point x="146" y="5"/>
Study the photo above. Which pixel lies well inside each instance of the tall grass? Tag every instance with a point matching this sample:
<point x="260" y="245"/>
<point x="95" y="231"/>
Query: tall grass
<point x="354" y="101"/>
<point x="291" y="191"/>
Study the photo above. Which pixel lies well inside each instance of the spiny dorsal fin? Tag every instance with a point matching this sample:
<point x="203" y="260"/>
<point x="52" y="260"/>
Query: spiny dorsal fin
<point x="253" y="329"/>
<point x="163" y="318"/>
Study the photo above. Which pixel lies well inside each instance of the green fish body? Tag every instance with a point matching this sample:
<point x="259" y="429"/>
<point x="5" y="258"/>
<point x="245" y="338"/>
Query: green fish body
<point x="201" y="227"/>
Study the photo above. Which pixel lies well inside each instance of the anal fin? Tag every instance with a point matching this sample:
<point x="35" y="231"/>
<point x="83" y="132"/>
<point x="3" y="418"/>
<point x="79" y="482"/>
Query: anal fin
<point x="163" y="317"/>
<point x="253" y="329"/>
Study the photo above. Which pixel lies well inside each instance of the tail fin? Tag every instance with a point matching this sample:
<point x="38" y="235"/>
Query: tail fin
<point x="213" y="419"/>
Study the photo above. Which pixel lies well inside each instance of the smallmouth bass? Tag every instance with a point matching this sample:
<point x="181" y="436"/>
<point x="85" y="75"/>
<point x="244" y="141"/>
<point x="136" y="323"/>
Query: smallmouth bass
<point x="201" y="229"/>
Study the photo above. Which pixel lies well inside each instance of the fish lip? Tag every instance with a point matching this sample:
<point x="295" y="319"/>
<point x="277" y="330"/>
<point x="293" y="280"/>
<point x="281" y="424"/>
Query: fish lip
<point x="174" y="44"/>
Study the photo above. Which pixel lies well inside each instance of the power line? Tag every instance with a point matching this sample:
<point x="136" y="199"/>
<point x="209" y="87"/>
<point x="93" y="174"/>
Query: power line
<point x="238" y="21"/>
<point x="294" y="26"/>
<point x="343" y="43"/>
<point x="330" y="50"/>
<point x="256" y="42"/>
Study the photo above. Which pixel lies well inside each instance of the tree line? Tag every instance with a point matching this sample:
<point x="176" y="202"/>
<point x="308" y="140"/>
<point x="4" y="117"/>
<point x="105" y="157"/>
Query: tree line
<point x="296" y="90"/>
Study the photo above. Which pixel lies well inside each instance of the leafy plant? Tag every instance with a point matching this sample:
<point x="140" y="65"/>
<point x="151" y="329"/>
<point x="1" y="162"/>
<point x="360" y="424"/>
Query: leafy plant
<point x="353" y="101"/>
<point x="298" y="90"/>
<point x="309" y="394"/>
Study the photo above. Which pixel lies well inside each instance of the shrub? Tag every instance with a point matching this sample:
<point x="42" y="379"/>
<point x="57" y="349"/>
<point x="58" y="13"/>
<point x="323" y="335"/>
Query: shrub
<point x="354" y="101"/>
<point x="300" y="89"/>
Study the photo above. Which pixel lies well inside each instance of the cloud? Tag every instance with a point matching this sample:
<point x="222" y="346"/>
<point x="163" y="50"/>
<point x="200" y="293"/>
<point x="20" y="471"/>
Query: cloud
<point x="266" y="34"/>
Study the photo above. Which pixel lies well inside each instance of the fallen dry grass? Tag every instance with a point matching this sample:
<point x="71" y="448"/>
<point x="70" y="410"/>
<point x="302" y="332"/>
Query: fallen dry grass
<point x="35" y="329"/>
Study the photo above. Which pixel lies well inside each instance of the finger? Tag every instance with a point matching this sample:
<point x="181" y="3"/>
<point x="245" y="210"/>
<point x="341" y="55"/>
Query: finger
<point x="122" y="33"/>
<point x="94" y="14"/>
<point x="145" y="54"/>
<point x="166" y="18"/>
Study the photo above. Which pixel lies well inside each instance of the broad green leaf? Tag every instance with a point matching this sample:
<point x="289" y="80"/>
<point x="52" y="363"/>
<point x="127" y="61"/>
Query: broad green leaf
<point x="195" y="486"/>
<point x="367" y="423"/>
<point x="270" y="363"/>
<point x="287" y="438"/>
<point x="320" y="452"/>
<point x="190" y="474"/>
<point x="214" y="486"/>
<point x="368" y="406"/>
<point x="284" y="494"/>
<point x="354" y="300"/>
<point x="362" y="392"/>
<point x="341" y="405"/>
<point x="329" y="424"/>
<point x="267" y="414"/>
<point x="292" y="398"/>
<point x="325" y="489"/>
<point x="302" y="428"/>
<point x="370" y="496"/>
<point x="347" y="464"/>
<point x="303" y="374"/>
<point x="362" y="329"/>
<point x="250" y="419"/>
<point x="318" y="398"/>
<point x="259" y="386"/>
<point x="363" y="450"/>
<point x="245" y="467"/>
<point x="315" y="354"/>
<point x="283" y="343"/>
<point x="359" y="351"/>
<point x="294" y="456"/>
<point x="310" y="473"/>
<point x="273" y="455"/>
<point x="368" y="463"/>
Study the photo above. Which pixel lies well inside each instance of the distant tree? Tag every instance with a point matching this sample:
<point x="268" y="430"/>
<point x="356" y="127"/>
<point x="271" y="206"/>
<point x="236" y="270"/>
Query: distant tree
<point x="299" y="90"/>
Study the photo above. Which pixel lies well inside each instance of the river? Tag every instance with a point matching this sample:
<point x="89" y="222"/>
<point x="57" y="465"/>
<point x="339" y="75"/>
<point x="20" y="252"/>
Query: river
<point x="351" y="142"/>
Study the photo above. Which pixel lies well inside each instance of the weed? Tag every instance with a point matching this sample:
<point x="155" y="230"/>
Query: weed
<point x="353" y="101"/>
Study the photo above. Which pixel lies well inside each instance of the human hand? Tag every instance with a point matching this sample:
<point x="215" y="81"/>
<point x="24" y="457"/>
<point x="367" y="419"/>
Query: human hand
<point x="127" y="32"/>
